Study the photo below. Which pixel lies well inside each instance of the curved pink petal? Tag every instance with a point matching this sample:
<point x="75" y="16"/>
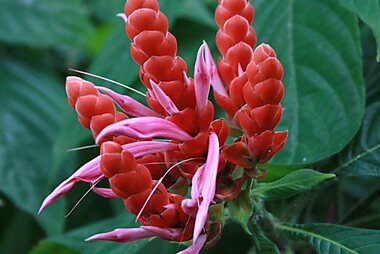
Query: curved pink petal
<point x="201" y="79"/>
<point x="131" y="234"/>
<point x="207" y="184"/>
<point x="105" y="192"/>
<point x="89" y="172"/>
<point x="190" y="207"/>
<point x="142" y="148"/>
<point x="165" y="233"/>
<point x="196" y="182"/>
<point x="216" y="82"/>
<point x="144" y="127"/>
<point x="196" y="246"/>
<point x="163" y="99"/>
<point x="122" y="235"/>
<point x="128" y="104"/>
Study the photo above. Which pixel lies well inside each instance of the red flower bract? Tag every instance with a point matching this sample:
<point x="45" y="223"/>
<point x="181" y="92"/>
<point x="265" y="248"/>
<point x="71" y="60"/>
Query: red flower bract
<point x="152" y="176"/>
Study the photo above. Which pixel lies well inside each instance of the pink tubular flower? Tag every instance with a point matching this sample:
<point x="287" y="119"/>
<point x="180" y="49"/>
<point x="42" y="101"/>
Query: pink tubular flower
<point x="204" y="185"/>
<point x="90" y="172"/>
<point x="132" y="234"/>
<point x="144" y="127"/>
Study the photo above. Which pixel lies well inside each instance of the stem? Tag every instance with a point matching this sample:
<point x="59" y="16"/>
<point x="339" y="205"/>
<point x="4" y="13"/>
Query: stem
<point x="361" y="206"/>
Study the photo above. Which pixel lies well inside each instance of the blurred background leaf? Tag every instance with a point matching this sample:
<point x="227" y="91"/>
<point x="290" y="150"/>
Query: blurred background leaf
<point x="44" y="23"/>
<point x="35" y="126"/>
<point x="369" y="12"/>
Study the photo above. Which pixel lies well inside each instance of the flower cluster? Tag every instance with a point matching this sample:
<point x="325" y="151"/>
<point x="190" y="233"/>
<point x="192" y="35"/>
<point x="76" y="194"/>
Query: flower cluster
<point x="151" y="175"/>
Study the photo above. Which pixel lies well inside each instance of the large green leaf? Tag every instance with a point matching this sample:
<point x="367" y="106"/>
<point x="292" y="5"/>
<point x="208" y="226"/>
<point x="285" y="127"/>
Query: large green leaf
<point x="331" y="239"/>
<point x="369" y="12"/>
<point x="362" y="156"/>
<point x="291" y="184"/>
<point x="318" y="43"/>
<point x="44" y="23"/>
<point x="34" y="133"/>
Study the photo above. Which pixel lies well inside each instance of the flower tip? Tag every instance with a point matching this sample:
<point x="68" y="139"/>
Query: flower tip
<point x="123" y="16"/>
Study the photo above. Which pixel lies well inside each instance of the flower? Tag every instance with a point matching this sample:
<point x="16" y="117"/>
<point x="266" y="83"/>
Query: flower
<point x="151" y="175"/>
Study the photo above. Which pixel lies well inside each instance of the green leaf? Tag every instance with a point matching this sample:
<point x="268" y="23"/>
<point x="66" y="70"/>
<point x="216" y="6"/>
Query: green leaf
<point x="276" y="171"/>
<point x="50" y="247"/>
<point x="291" y="184"/>
<point x="319" y="45"/>
<point x="241" y="209"/>
<point x="193" y="10"/>
<point x="35" y="130"/>
<point x="331" y="239"/>
<point x="44" y="23"/>
<point x="362" y="156"/>
<point x="262" y="244"/>
<point x="369" y="12"/>
<point x="75" y="239"/>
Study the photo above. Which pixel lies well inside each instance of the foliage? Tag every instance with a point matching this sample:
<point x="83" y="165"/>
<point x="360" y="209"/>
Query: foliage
<point x="331" y="109"/>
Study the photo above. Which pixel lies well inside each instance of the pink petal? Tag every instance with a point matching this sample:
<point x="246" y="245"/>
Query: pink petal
<point x="207" y="184"/>
<point x="131" y="234"/>
<point x="123" y="235"/>
<point x="144" y="127"/>
<point x="195" y="183"/>
<point x="163" y="99"/>
<point x="190" y="207"/>
<point x="201" y="79"/>
<point x="142" y="148"/>
<point x="128" y="104"/>
<point x="216" y="82"/>
<point x="186" y="78"/>
<point x="105" y="192"/>
<point x="89" y="172"/>
<point x="165" y="233"/>
<point x="196" y="246"/>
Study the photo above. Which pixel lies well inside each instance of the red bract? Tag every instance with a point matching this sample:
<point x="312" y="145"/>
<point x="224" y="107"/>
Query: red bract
<point x="152" y="176"/>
